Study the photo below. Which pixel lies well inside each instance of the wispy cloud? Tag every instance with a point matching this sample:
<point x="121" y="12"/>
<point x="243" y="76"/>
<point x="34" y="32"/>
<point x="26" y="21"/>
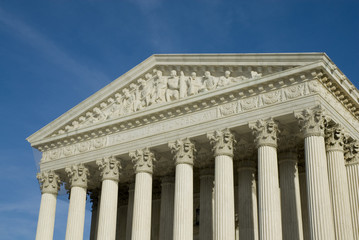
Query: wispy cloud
<point x="53" y="53"/>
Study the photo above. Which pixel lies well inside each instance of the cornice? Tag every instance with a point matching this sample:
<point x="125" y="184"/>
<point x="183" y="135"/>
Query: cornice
<point x="267" y="59"/>
<point x="177" y="108"/>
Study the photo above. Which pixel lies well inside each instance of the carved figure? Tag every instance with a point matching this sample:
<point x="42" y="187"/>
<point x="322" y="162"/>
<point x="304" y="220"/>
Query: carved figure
<point x="172" y="92"/>
<point x="183" y="85"/>
<point x="255" y="74"/>
<point x="136" y="96"/>
<point x="161" y="86"/>
<point x="99" y="115"/>
<point x="225" y="80"/>
<point x="127" y="102"/>
<point x="195" y="84"/>
<point x="209" y="81"/>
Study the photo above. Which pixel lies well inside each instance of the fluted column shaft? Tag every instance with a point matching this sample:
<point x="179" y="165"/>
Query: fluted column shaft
<point x="304" y="203"/>
<point x="205" y="217"/>
<point x="183" y="203"/>
<point x="167" y="208"/>
<point x="353" y="182"/>
<point x="338" y="183"/>
<point x="109" y="168"/>
<point x="247" y="201"/>
<point x="224" y="222"/>
<point x="78" y="175"/>
<point x="290" y="197"/>
<point x="49" y="184"/>
<point x="141" y="222"/>
<point x="313" y="122"/>
<point x="320" y="209"/>
<point x="269" y="211"/>
<point x="269" y="200"/>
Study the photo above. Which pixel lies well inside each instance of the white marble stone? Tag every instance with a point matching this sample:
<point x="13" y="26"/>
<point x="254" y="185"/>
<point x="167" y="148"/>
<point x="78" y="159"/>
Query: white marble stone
<point x="353" y="181"/>
<point x="247" y="201"/>
<point x="304" y="203"/>
<point x="78" y="175"/>
<point x="224" y="222"/>
<point x="131" y="196"/>
<point x="290" y="196"/>
<point x="49" y="184"/>
<point x="183" y="202"/>
<point x="167" y="208"/>
<point x="206" y="214"/>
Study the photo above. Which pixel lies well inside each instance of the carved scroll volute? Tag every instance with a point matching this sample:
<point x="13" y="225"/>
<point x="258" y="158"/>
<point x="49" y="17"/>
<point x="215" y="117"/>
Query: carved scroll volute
<point x="222" y="142"/>
<point x="110" y="168"/>
<point x="265" y="132"/>
<point x="78" y="175"/>
<point x="49" y="182"/>
<point x="312" y="121"/>
<point x="351" y="152"/>
<point x="335" y="138"/>
<point x="183" y="150"/>
<point x="143" y="160"/>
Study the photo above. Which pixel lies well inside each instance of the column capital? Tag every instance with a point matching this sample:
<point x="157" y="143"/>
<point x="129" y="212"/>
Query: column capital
<point x="49" y="182"/>
<point x="110" y="168"/>
<point x="351" y="152"/>
<point x="143" y="160"/>
<point x="184" y="151"/>
<point x="78" y="175"/>
<point x="312" y="122"/>
<point x="265" y="132"/>
<point x="222" y="142"/>
<point x="335" y="138"/>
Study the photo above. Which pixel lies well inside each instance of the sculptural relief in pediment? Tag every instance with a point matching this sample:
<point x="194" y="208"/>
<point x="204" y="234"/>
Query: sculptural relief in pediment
<point x="155" y="87"/>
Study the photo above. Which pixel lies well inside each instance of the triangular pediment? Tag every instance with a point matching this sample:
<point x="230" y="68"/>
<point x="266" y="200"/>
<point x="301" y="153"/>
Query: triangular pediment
<point x="165" y="79"/>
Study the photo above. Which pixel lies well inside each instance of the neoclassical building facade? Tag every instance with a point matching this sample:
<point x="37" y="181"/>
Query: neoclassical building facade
<point x="209" y="146"/>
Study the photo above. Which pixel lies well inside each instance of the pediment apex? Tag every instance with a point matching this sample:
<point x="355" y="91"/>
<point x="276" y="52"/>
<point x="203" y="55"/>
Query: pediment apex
<point x="254" y="67"/>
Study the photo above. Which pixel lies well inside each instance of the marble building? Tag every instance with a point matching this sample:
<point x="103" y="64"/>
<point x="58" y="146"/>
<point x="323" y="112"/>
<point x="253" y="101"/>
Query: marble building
<point x="209" y="146"/>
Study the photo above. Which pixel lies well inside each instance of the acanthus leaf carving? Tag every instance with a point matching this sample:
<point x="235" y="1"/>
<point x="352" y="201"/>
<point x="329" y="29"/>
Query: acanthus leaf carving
<point x="265" y="132"/>
<point x="143" y="160"/>
<point x="351" y="152"/>
<point x="49" y="182"/>
<point x="78" y="175"/>
<point x="110" y="168"/>
<point x="312" y="121"/>
<point x="183" y="151"/>
<point x="222" y="142"/>
<point x="335" y="138"/>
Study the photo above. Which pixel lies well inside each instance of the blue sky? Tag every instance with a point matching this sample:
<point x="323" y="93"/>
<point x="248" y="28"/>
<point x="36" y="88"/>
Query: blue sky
<point x="54" y="54"/>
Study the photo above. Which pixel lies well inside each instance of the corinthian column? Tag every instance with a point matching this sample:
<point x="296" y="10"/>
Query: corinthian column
<point x="352" y="169"/>
<point x="49" y="185"/>
<point x="338" y="183"/>
<point x="109" y="168"/>
<point x="270" y="224"/>
<point x="167" y="204"/>
<point x="224" y="222"/>
<point x="141" y="223"/>
<point x="183" y="203"/>
<point x="78" y="175"/>
<point x="312" y="123"/>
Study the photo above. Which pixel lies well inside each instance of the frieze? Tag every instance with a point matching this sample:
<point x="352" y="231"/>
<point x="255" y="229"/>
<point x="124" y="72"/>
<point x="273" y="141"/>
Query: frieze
<point x="154" y="89"/>
<point x="234" y="107"/>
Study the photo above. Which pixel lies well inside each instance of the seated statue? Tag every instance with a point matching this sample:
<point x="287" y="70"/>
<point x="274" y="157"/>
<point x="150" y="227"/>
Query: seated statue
<point x="209" y="81"/>
<point x="225" y="80"/>
<point x="195" y="84"/>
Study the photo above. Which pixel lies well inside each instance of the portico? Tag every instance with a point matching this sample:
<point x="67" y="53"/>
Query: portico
<point x="191" y="147"/>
